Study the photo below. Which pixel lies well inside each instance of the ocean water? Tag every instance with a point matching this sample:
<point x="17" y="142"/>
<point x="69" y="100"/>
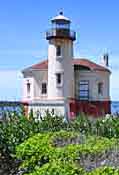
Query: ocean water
<point x="114" y="107"/>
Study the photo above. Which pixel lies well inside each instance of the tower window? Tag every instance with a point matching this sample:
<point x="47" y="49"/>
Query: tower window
<point x="28" y="89"/>
<point x="44" y="88"/>
<point x="100" y="88"/>
<point x="58" y="50"/>
<point x="59" y="79"/>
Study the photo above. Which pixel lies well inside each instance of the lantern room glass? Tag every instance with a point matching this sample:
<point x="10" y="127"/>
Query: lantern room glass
<point x="61" y="25"/>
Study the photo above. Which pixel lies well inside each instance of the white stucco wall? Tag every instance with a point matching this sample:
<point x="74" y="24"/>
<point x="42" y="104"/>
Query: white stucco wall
<point x="40" y="107"/>
<point x="94" y="77"/>
<point x="39" y="78"/>
<point x="35" y="78"/>
<point x="62" y="65"/>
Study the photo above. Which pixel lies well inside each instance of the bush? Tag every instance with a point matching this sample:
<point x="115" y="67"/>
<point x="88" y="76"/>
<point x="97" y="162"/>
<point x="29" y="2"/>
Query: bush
<point x="13" y="131"/>
<point x="51" y="122"/>
<point x="45" y="153"/>
<point x="105" y="127"/>
<point x="81" y="124"/>
<point x="16" y="128"/>
<point x="105" y="171"/>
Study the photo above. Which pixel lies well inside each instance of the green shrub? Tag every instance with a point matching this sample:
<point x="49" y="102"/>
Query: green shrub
<point x="62" y="148"/>
<point x="16" y="128"/>
<point x="106" y="126"/>
<point x="13" y="131"/>
<point x="58" y="168"/>
<point x="105" y="171"/>
<point x="81" y="124"/>
<point x="40" y="155"/>
<point x="51" y="122"/>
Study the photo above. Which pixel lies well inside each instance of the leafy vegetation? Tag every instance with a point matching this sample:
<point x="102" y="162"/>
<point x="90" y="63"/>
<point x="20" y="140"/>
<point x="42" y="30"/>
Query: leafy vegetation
<point x="41" y="154"/>
<point x="14" y="129"/>
<point x="51" y="146"/>
<point x="105" y="171"/>
<point x="106" y="126"/>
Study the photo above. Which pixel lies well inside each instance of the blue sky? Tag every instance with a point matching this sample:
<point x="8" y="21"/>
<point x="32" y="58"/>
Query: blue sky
<point x="22" y="36"/>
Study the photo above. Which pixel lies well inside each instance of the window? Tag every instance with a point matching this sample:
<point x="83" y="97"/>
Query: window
<point x="100" y="88"/>
<point x="44" y="88"/>
<point x="58" y="50"/>
<point x="58" y="78"/>
<point x="84" y="90"/>
<point x="28" y="88"/>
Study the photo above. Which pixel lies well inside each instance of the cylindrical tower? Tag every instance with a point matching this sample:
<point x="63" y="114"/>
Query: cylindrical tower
<point x="60" y="55"/>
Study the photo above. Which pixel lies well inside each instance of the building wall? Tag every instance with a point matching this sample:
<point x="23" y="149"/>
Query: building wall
<point x="94" y="78"/>
<point x="35" y="78"/>
<point x="90" y="108"/>
<point x="40" y="108"/>
<point x="61" y="65"/>
<point x="39" y="78"/>
<point x="97" y="105"/>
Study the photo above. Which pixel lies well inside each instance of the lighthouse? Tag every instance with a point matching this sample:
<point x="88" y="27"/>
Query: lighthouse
<point x="62" y="84"/>
<point x="60" y="55"/>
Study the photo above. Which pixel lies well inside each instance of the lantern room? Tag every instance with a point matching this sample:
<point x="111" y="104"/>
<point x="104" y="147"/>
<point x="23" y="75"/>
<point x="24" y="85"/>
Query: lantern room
<point x="60" y="28"/>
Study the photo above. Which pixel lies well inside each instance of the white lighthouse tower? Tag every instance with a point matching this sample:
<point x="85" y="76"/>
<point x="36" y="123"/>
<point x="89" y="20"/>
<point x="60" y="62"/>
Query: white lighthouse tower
<point x="60" y="55"/>
<point x="63" y="85"/>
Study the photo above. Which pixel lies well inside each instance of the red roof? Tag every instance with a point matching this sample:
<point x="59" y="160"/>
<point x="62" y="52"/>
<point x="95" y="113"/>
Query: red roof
<point x="42" y="65"/>
<point x="91" y="65"/>
<point x="82" y="62"/>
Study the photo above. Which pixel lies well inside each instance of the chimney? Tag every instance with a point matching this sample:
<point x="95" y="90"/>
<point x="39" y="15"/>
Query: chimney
<point x="105" y="60"/>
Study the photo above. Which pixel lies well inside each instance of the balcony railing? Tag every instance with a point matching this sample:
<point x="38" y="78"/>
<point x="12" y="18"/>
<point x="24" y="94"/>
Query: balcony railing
<point x="60" y="33"/>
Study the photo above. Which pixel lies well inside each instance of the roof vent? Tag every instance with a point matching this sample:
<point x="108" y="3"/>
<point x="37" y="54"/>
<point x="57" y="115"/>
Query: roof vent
<point x="105" y="60"/>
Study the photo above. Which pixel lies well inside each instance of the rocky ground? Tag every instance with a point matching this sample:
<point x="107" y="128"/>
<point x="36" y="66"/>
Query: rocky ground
<point x="108" y="158"/>
<point x="9" y="166"/>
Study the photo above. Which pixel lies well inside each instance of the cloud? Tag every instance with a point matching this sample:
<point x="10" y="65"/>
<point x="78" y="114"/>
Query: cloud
<point x="114" y="85"/>
<point x="10" y="84"/>
<point x="114" y="80"/>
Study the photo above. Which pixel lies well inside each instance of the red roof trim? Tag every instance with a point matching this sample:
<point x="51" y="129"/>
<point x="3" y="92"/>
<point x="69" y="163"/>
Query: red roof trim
<point x="83" y="62"/>
<point x="41" y="65"/>
<point x="91" y="65"/>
